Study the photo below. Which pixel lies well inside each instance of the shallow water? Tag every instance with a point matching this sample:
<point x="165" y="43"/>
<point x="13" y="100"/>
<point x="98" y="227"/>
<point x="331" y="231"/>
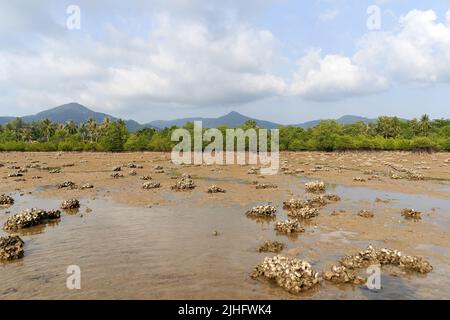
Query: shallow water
<point x="167" y="252"/>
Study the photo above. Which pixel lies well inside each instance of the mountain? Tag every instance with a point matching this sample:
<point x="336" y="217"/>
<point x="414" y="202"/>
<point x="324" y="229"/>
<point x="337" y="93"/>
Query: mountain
<point x="72" y="111"/>
<point x="79" y="113"/>
<point x="232" y="119"/>
<point x="342" y="120"/>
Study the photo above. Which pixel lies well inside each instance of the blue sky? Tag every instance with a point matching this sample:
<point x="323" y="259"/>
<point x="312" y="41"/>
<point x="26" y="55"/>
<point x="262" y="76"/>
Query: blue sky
<point x="285" y="61"/>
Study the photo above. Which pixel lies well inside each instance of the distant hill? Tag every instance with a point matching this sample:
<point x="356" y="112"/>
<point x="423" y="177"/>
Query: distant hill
<point x="72" y="111"/>
<point x="79" y="113"/>
<point x="342" y="120"/>
<point x="232" y="119"/>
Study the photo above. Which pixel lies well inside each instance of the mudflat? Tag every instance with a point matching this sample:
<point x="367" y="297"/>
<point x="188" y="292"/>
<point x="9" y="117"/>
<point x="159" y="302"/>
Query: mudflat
<point x="159" y="242"/>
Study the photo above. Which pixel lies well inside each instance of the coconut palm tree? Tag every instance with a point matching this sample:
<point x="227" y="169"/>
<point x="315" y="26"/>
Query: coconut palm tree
<point x="414" y="125"/>
<point x="91" y="128"/>
<point x="48" y="128"/>
<point x="70" y="127"/>
<point x="424" y="124"/>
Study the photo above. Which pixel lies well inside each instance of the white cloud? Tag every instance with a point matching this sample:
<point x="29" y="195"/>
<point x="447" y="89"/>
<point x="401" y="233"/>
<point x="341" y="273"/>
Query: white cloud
<point x="333" y="77"/>
<point x="198" y="62"/>
<point x="418" y="52"/>
<point x="181" y="62"/>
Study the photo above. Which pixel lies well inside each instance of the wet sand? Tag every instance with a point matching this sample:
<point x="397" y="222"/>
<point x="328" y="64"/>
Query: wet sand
<point x="160" y="243"/>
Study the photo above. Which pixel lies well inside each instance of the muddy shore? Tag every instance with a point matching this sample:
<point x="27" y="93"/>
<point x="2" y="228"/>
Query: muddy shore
<point x="376" y="181"/>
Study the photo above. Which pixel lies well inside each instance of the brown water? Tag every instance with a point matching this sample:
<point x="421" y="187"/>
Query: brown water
<point x="170" y="252"/>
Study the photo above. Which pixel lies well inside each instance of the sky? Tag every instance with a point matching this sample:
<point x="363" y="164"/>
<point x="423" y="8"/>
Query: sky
<point x="287" y="61"/>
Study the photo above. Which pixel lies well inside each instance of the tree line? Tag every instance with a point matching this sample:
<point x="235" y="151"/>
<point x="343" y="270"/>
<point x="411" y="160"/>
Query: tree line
<point x="386" y="133"/>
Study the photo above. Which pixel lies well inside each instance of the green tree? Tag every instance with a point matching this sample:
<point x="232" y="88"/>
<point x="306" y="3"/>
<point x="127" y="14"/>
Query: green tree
<point x="114" y="137"/>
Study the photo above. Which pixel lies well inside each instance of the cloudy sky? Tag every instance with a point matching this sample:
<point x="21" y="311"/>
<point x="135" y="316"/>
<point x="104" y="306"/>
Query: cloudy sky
<point x="283" y="60"/>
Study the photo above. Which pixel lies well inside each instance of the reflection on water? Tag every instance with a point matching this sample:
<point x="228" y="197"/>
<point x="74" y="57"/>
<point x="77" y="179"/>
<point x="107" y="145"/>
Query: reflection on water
<point x="171" y="252"/>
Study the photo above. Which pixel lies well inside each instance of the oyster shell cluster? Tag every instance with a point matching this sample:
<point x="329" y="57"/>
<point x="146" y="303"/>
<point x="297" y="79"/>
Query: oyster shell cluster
<point x="385" y="256"/>
<point x="410" y="174"/>
<point x="271" y="246"/>
<point x="289" y="226"/>
<point x="262" y="212"/>
<point x="341" y="274"/>
<point x="11" y="248"/>
<point x="159" y="169"/>
<point x="294" y="204"/>
<point x="215" y="189"/>
<point x="116" y="175"/>
<point x="15" y="174"/>
<point x="303" y="213"/>
<point x="365" y="214"/>
<point x="293" y="275"/>
<point x="29" y="218"/>
<point x="87" y="186"/>
<point x="315" y="186"/>
<point x="266" y="186"/>
<point x="66" y="184"/>
<point x="151" y="185"/>
<point x="185" y="183"/>
<point x="315" y="202"/>
<point x="70" y="204"/>
<point x="411" y="214"/>
<point x="6" y="200"/>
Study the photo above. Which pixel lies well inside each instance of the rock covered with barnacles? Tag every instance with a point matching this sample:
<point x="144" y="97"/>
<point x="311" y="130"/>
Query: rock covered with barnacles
<point x="146" y="178"/>
<point x="70" y="204"/>
<point x="11" y="248"/>
<point x="6" y="200"/>
<point x="385" y="257"/>
<point x="215" y="189"/>
<point x="411" y="214"/>
<point x="29" y="218"/>
<point x="271" y="246"/>
<point x="315" y="186"/>
<point x="66" y="185"/>
<point x="151" y="185"/>
<point x="185" y="183"/>
<point x="262" y="212"/>
<point x="303" y="213"/>
<point x="293" y="275"/>
<point x="289" y="226"/>
<point x="341" y="274"/>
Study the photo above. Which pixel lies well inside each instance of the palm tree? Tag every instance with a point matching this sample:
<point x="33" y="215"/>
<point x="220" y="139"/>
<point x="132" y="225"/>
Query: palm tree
<point x="91" y="128"/>
<point x="414" y="125"/>
<point x="424" y="124"/>
<point x="70" y="127"/>
<point x="47" y="128"/>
